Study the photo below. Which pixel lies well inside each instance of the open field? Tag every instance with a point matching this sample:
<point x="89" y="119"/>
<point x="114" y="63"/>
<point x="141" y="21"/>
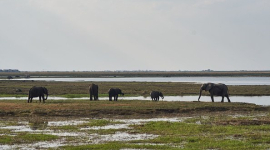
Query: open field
<point x="134" y="74"/>
<point x="80" y="89"/>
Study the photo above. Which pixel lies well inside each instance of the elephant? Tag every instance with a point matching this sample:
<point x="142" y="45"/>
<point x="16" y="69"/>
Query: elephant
<point x="219" y="89"/>
<point x="113" y="92"/>
<point x="37" y="92"/>
<point x="155" y="95"/>
<point x="93" y="90"/>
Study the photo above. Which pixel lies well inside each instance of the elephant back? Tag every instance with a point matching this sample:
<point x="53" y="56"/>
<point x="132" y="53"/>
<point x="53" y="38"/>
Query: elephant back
<point x="93" y="87"/>
<point x="154" y="94"/>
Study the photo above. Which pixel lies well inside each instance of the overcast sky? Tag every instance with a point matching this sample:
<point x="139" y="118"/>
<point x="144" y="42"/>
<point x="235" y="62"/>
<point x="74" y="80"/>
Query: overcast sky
<point x="95" y="35"/>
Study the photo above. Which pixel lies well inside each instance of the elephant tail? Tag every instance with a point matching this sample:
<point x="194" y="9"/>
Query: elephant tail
<point x="29" y="94"/>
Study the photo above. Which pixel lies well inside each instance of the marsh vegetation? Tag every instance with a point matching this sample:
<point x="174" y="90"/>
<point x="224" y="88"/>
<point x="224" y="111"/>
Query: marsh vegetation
<point x="134" y="125"/>
<point x="130" y="124"/>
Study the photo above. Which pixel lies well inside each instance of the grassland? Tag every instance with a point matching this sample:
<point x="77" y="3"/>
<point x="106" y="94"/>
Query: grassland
<point x="94" y="74"/>
<point x="80" y="89"/>
<point x="121" y="109"/>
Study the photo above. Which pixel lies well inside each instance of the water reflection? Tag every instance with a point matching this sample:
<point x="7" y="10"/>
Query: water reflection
<point x="38" y="124"/>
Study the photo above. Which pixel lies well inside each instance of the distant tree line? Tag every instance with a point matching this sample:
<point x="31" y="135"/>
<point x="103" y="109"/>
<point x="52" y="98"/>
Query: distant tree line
<point x="9" y="70"/>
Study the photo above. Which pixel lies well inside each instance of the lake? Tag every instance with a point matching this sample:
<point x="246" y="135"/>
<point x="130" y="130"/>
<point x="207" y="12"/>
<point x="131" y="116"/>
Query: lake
<point x="225" y="80"/>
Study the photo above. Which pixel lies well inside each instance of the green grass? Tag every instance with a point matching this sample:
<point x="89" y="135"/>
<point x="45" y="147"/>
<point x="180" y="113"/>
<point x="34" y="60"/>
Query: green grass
<point x="116" y="146"/>
<point x="74" y="95"/>
<point x="26" y="138"/>
<point x="182" y="135"/>
<point x="217" y="127"/>
<point x="208" y="136"/>
<point x="69" y="128"/>
<point x="80" y="89"/>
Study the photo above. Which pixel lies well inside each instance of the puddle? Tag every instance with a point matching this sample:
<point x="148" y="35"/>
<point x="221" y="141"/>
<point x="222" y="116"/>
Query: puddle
<point x="66" y="123"/>
<point x="83" y="136"/>
<point x="128" y="122"/>
<point x="121" y="136"/>
<point x="33" y="146"/>
<point x="118" y="126"/>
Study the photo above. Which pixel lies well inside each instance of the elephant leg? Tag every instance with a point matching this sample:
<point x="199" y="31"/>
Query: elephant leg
<point x="222" y="100"/>
<point x="110" y="98"/>
<point x="228" y="98"/>
<point x="91" y="96"/>
<point x="43" y="98"/>
<point x="212" y="98"/>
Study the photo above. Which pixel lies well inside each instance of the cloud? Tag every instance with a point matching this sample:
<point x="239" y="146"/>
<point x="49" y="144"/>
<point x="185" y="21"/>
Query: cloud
<point x="134" y="34"/>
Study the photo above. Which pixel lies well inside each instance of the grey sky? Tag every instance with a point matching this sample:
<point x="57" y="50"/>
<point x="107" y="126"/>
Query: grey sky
<point x="85" y="35"/>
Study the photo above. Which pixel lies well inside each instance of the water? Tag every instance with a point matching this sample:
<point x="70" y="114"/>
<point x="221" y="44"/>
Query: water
<point x="86" y="134"/>
<point x="258" y="100"/>
<point x="225" y="80"/>
<point x="83" y="137"/>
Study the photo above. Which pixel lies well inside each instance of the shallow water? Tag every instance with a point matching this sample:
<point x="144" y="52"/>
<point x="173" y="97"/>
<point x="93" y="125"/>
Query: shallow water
<point x="226" y="80"/>
<point x="258" y="100"/>
<point x="83" y="136"/>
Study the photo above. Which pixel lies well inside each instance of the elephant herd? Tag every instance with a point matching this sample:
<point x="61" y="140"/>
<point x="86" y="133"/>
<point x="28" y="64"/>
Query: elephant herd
<point x="214" y="90"/>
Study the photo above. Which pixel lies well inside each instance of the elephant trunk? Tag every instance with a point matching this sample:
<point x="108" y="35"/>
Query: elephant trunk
<point x="200" y="94"/>
<point x="46" y="97"/>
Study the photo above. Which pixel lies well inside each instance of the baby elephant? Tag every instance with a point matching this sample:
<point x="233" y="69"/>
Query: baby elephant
<point x="155" y="95"/>
<point x="113" y="92"/>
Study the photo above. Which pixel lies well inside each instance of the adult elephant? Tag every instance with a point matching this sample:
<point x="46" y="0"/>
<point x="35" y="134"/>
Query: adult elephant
<point x="215" y="90"/>
<point x="37" y="92"/>
<point x="155" y="95"/>
<point x="113" y="92"/>
<point x="93" y="90"/>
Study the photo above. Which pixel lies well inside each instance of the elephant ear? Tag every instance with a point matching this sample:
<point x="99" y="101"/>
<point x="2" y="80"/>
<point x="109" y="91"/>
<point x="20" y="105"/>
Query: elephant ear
<point x="208" y="87"/>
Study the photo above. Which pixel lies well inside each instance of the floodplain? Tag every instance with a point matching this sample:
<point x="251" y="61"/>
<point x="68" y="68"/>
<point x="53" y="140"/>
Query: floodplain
<point x="131" y="124"/>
